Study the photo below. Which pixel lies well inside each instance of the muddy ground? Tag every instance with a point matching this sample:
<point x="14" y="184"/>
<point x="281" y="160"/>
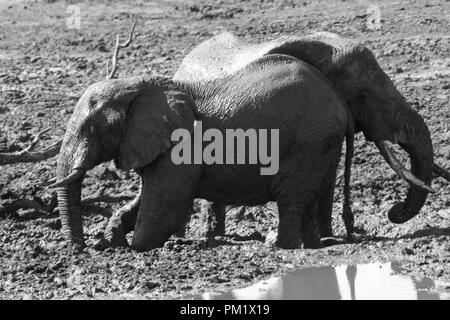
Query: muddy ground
<point x="45" y="66"/>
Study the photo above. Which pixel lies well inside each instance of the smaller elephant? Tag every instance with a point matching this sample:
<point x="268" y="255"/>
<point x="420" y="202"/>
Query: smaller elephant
<point x="131" y="120"/>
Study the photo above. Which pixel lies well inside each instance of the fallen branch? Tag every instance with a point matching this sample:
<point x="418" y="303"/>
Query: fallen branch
<point x="113" y="60"/>
<point x="26" y="155"/>
<point x="100" y="196"/>
<point x="107" y="199"/>
<point x="38" y="205"/>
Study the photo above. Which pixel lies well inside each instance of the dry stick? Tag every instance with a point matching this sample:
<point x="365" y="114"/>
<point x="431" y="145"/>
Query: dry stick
<point x="100" y="196"/>
<point x="107" y="199"/>
<point x="110" y="75"/>
<point x="20" y="204"/>
<point x="38" y="204"/>
<point x="36" y="139"/>
<point x="26" y="155"/>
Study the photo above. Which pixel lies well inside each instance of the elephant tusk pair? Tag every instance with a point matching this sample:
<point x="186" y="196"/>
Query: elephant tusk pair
<point x="395" y="164"/>
<point x="75" y="175"/>
<point x="441" y="171"/>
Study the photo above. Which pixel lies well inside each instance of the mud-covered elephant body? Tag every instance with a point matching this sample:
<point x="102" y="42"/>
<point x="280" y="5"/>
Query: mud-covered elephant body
<point x="131" y="121"/>
<point x="378" y="109"/>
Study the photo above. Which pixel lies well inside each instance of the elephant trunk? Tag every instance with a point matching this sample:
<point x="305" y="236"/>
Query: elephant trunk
<point x="414" y="137"/>
<point x="69" y="200"/>
<point x="71" y="169"/>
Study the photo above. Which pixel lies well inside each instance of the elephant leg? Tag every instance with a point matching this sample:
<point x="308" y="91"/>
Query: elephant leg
<point x="326" y="197"/>
<point x="324" y="210"/>
<point x="310" y="232"/>
<point x="298" y="222"/>
<point x="325" y="202"/>
<point x="219" y="211"/>
<point x="296" y="191"/>
<point x="167" y="194"/>
<point x="208" y="214"/>
<point x="289" y="220"/>
<point x="214" y="214"/>
<point x="181" y="233"/>
<point x="121" y="223"/>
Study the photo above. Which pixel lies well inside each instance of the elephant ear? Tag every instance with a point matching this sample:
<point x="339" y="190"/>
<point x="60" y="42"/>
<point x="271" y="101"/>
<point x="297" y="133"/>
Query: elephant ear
<point x="151" y="118"/>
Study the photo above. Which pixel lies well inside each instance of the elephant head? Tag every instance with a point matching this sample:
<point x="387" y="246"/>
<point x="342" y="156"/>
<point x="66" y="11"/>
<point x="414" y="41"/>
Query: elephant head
<point x="379" y="110"/>
<point x="128" y="120"/>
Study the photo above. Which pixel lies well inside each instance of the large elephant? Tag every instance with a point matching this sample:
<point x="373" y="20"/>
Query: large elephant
<point x="131" y="120"/>
<point x="378" y="109"/>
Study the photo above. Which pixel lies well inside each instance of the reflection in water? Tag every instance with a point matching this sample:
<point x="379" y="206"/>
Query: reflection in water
<point x="366" y="281"/>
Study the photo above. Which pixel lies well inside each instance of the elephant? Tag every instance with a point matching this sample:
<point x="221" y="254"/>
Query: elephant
<point x="132" y="120"/>
<point x="378" y="110"/>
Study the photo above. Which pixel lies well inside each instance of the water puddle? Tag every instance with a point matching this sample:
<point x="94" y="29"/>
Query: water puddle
<point x="346" y="282"/>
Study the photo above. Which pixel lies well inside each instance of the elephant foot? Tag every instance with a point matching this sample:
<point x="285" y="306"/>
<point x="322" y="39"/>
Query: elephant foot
<point x="115" y="233"/>
<point x="101" y="244"/>
<point x="289" y="244"/>
<point x="75" y="248"/>
<point x="210" y="242"/>
<point x="214" y="218"/>
<point x="285" y="242"/>
<point x="313" y="243"/>
<point x="149" y="239"/>
<point x="181" y="233"/>
<point x="113" y="239"/>
<point x="351" y="237"/>
<point x="117" y="236"/>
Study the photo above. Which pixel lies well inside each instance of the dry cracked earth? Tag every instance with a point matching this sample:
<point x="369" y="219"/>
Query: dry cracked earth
<point x="45" y="66"/>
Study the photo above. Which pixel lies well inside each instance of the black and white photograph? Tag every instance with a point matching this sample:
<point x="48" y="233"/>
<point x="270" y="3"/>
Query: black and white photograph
<point x="242" y="151"/>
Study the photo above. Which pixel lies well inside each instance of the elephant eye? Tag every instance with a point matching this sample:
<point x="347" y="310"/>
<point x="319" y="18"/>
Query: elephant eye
<point x="91" y="104"/>
<point x="361" y="97"/>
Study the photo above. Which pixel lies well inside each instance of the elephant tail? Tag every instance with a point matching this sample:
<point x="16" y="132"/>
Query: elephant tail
<point x="347" y="212"/>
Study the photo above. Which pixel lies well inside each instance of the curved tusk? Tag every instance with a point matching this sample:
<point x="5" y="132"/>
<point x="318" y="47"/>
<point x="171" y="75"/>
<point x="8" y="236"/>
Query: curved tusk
<point x="395" y="164"/>
<point x="441" y="171"/>
<point x="76" y="174"/>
